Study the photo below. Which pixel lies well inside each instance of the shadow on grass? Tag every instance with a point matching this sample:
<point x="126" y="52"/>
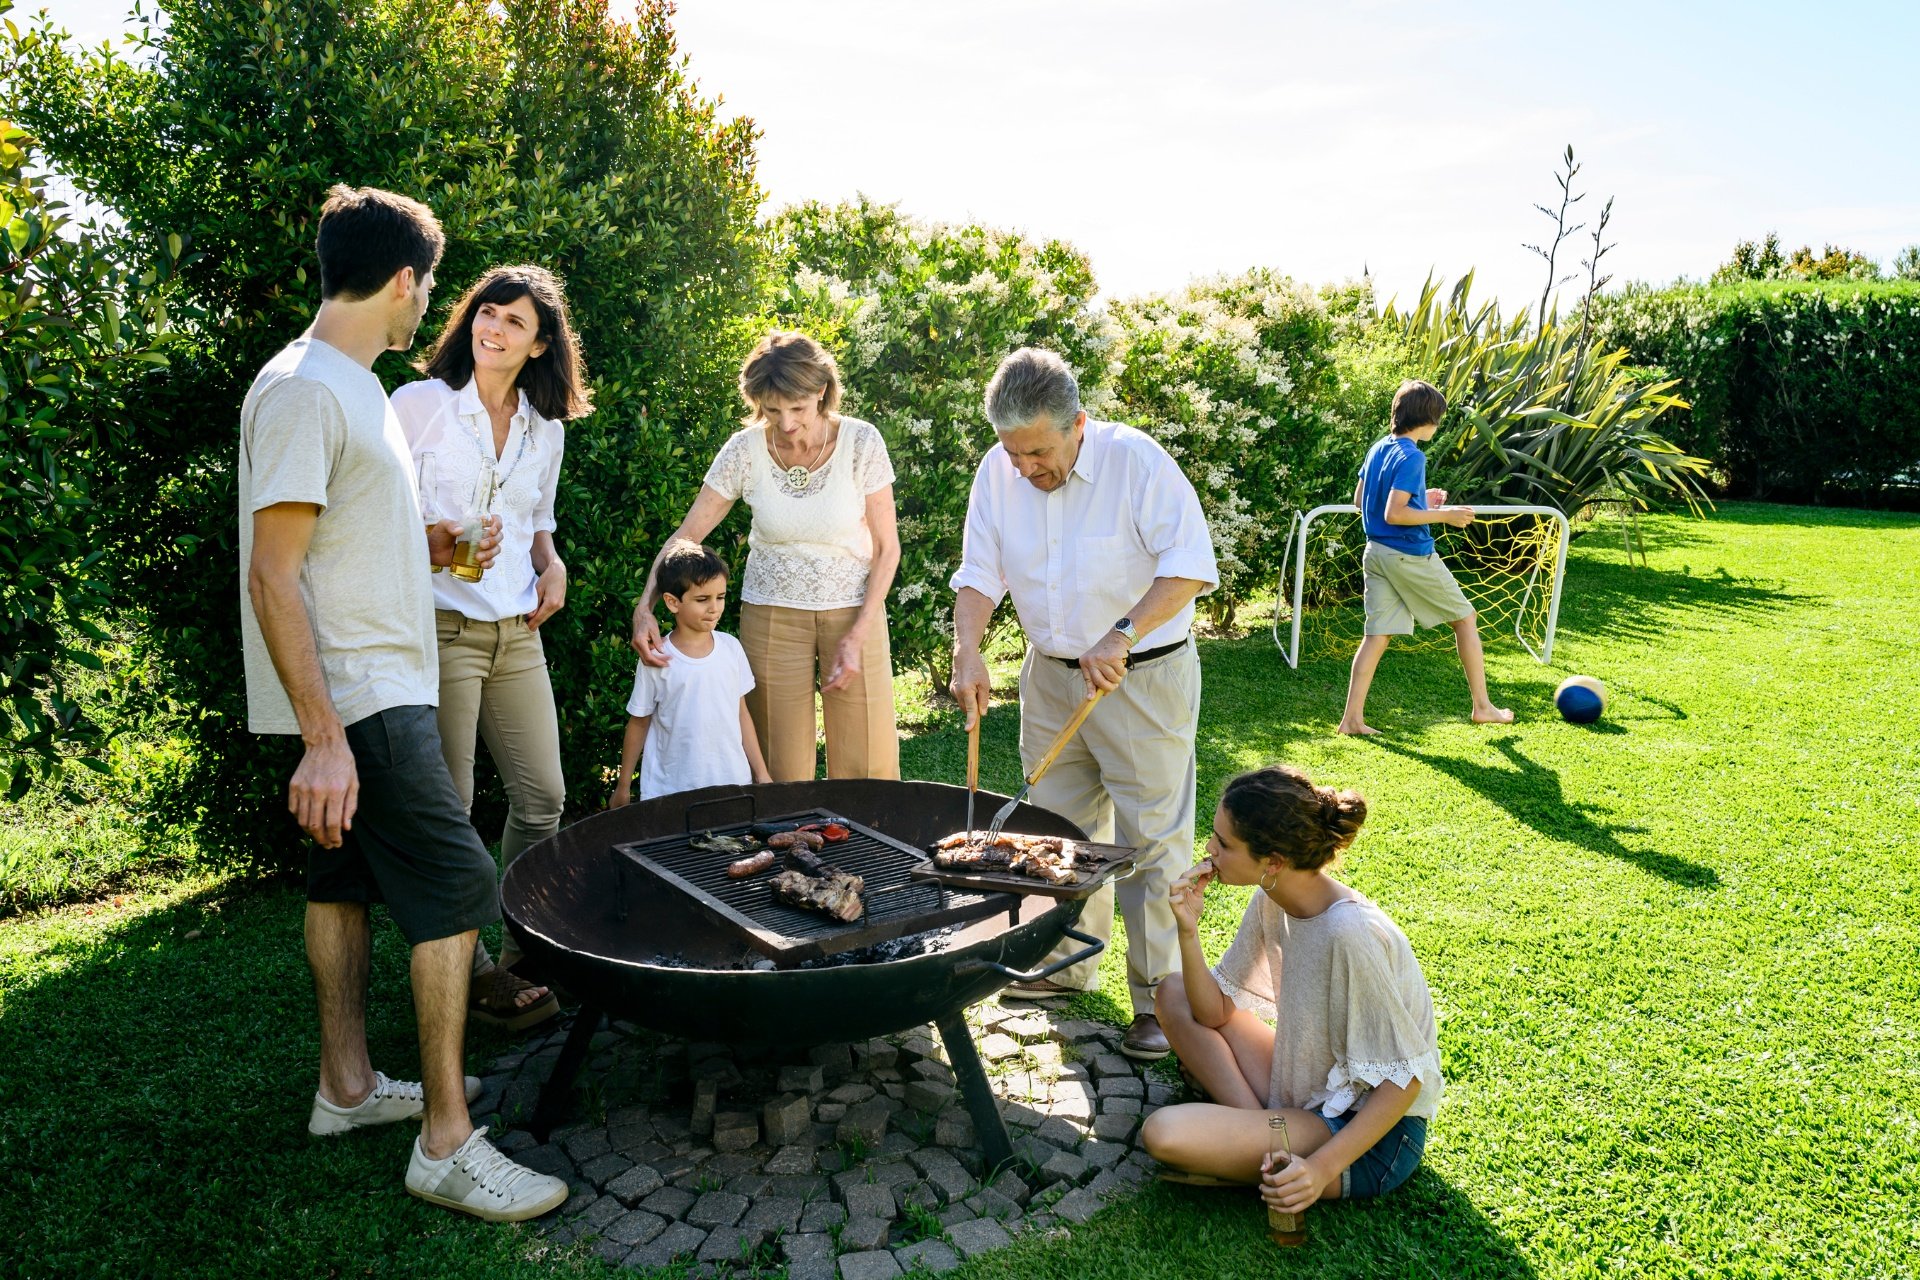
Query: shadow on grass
<point x="1426" y="1228"/>
<point x="1531" y="793"/>
<point x="158" y="1073"/>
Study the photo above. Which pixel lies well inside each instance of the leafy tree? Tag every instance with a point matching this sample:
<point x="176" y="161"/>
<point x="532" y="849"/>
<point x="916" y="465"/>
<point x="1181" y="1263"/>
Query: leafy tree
<point x="1906" y="263"/>
<point x="539" y="130"/>
<point x="1764" y="261"/>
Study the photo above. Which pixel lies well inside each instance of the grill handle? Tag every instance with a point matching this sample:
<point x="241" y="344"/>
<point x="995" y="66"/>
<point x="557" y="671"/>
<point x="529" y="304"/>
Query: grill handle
<point x="1093" y="948"/>
<point x="753" y="807"/>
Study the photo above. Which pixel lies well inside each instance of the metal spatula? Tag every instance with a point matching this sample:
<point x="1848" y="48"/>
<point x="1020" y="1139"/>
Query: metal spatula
<point x="1046" y="762"/>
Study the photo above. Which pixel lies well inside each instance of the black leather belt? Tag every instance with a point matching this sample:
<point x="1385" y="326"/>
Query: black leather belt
<point x="1135" y="659"/>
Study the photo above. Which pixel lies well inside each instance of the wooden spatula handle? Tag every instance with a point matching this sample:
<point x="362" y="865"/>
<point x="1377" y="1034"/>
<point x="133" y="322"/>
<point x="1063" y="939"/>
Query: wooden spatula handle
<point x="1066" y="736"/>
<point x="973" y="755"/>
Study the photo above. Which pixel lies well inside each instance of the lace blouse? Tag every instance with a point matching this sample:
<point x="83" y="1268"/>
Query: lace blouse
<point x="1350" y="1006"/>
<point x="807" y="548"/>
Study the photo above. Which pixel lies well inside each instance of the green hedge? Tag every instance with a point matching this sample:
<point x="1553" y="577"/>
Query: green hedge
<point x="1800" y="391"/>
<point x="82" y="324"/>
<point x="539" y="130"/>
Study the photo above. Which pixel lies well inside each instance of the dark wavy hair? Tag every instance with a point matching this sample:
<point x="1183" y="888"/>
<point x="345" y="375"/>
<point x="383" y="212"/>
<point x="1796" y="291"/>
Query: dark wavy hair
<point x="685" y="565"/>
<point x="1279" y="813"/>
<point x="555" y="380"/>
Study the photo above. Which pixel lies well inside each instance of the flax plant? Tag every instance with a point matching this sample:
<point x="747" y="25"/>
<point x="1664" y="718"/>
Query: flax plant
<point x="1536" y="420"/>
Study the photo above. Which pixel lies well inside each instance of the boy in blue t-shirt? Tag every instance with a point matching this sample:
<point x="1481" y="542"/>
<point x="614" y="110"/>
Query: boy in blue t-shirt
<point x="1407" y="583"/>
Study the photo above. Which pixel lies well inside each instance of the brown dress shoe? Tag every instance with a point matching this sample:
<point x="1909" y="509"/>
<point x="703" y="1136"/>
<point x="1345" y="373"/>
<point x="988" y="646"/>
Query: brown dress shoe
<point x="1145" y="1041"/>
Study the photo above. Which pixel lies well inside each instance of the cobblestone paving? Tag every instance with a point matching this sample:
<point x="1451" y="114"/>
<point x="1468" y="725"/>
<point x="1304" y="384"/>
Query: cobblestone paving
<point x="852" y="1161"/>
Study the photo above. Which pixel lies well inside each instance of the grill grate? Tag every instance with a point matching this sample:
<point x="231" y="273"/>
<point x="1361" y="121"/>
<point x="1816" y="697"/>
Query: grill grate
<point x="896" y="903"/>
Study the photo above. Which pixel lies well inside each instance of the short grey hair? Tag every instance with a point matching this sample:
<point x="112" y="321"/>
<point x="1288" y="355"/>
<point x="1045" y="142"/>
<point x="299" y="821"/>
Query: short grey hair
<point x="1031" y="383"/>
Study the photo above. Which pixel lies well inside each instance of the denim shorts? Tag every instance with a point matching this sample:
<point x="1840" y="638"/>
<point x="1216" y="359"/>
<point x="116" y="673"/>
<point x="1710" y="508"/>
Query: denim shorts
<point x="1388" y="1163"/>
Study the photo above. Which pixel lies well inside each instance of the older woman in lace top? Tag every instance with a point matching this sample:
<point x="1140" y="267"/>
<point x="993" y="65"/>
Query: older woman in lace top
<point x="822" y="552"/>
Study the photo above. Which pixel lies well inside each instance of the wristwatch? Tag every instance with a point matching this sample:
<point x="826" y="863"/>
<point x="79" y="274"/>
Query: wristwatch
<point x="1126" y="628"/>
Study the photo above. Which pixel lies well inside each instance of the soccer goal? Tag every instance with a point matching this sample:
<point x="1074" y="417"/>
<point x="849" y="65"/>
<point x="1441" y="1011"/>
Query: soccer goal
<point x="1510" y="562"/>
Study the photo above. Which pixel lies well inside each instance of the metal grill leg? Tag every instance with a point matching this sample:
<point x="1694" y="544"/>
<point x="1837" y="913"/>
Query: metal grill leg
<point x="988" y="1127"/>
<point x="556" y="1093"/>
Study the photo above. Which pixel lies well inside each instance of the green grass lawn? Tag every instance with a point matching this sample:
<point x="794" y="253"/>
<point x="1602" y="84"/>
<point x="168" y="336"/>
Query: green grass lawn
<point x="1676" y="958"/>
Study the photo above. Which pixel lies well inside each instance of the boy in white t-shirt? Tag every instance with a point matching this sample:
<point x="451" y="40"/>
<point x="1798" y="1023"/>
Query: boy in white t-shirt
<point x="689" y="718"/>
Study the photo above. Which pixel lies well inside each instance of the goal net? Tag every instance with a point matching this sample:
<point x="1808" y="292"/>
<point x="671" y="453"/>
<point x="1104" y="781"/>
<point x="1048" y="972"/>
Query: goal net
<point x="1509" y="562"/>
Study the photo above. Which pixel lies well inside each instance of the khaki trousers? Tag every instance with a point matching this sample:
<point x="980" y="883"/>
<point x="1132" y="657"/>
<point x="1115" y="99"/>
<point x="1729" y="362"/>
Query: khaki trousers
<point x="789" y="649"/>
<point x="493" y="679"/>
<point x="1126" y="777"/>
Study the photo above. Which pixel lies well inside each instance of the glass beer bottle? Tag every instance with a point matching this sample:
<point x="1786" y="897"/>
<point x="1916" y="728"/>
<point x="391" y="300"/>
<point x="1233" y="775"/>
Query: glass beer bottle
<point x="473" y="526"/>
<point x="430" y="497"/>
<point x="1288" y="1230"/>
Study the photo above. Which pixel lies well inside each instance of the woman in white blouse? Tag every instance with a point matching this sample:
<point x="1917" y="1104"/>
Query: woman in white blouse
<point x="821" y="556"/>
<point x="502" y="377"/>
<point x="1317" y="1012"/>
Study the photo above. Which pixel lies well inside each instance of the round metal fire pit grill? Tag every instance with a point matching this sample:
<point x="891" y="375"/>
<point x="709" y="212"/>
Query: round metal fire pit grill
<point x="653" y="959"/>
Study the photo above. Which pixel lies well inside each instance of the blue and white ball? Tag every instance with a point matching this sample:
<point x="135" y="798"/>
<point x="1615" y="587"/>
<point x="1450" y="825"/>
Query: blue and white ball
<point x="1581" y="699"/>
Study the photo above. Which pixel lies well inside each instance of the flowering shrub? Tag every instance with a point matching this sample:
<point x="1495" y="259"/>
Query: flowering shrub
<point x="1799" y="390"/>
<point x="1234" y="376"/>
<point x="920" y="315"/>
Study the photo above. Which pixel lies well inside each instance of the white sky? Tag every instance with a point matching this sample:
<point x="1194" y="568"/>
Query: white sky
<point x="1169" y="140"/>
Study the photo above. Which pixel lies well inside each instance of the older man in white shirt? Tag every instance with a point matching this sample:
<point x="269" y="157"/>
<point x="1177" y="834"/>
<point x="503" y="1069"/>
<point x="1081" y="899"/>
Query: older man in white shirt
<point x="1100" y="539"/>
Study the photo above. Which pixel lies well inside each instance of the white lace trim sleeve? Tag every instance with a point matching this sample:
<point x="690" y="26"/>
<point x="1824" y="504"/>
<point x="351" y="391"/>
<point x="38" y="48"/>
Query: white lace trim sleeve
<point x="1349" y="1082"/>
<point x="1245" y="998"/>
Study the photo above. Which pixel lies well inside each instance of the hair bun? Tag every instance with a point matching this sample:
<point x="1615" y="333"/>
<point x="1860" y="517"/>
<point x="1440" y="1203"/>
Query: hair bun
<point x="1342" y="812"/>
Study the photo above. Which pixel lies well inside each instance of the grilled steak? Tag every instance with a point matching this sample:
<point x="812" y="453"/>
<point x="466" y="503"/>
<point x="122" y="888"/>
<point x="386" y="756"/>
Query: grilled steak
<point x="1047" y="858"/>
<point x="835" y="894"/>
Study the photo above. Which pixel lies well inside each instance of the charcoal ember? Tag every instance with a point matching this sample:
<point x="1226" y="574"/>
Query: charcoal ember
<point x="834" y="893"/>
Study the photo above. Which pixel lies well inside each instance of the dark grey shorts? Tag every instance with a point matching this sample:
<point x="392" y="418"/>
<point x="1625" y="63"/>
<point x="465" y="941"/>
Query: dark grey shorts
<point x="411" y="845"/>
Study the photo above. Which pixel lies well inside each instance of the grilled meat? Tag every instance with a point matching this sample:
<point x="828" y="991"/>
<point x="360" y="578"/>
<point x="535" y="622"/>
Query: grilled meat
<point x="1047" y="858"/>
<point x="797" y="839"/>
<point x="752" y="865"/>
<point x="806" y="862"/>
<point x="835" y="894"/>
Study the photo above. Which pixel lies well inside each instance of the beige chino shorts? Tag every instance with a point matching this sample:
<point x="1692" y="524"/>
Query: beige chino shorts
<point x="1404" y="591"/>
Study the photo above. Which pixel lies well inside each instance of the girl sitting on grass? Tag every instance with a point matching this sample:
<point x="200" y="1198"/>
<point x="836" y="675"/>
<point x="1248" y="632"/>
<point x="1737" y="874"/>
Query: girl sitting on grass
<point x="1352" y="1060"/>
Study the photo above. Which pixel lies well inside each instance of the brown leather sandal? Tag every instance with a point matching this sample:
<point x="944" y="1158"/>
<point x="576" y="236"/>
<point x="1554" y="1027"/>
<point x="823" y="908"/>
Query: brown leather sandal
<point x="495" y="1000"/>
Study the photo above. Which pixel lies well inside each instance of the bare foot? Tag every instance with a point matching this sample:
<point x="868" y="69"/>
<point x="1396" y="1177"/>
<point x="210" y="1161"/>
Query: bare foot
<point x="1362" y="729"/>
<point x="1491" y="714"/>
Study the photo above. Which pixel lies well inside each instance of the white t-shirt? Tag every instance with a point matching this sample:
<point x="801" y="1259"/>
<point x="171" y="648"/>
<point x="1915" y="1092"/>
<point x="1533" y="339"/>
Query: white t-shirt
<point x="454" y="427"/>
<point x="806" y="548"/>
<point x="316" y="427"/>
<point x="694" y="740"/>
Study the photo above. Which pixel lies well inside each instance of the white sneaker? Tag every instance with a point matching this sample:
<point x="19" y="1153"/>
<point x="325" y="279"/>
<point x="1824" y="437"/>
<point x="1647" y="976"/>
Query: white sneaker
<point x="478" y="1180"/>
<point x="390" y="1100"/>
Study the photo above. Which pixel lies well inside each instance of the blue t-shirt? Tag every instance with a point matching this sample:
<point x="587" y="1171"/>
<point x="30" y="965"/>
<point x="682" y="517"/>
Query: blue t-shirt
<point x="1395" y="462"/>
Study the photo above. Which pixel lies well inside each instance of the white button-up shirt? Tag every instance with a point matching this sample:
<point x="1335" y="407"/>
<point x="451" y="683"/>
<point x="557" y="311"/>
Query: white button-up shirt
<point x="1076" y="560"/>
<point x="454" y="427"/>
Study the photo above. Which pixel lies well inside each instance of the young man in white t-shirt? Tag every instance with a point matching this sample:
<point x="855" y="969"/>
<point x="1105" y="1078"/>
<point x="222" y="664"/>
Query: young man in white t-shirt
<point x="689" y="718"/>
